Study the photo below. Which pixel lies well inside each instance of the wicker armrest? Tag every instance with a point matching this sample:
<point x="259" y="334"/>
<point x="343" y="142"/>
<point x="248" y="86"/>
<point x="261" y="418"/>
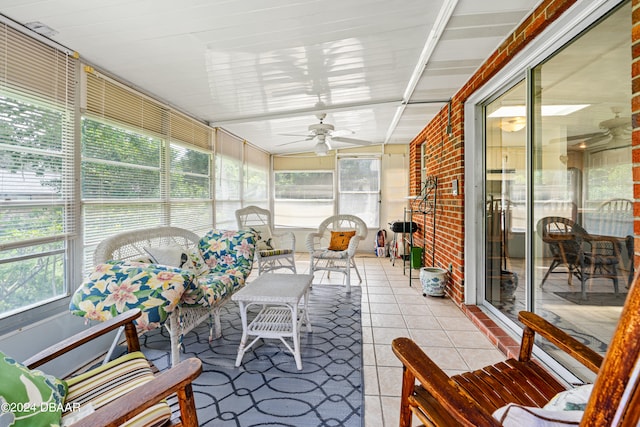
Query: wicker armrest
<point x="312" y="239"/>
<point x="536" y="324"/>
<point x="286" y="239"/>
<point x="125" y="319"/>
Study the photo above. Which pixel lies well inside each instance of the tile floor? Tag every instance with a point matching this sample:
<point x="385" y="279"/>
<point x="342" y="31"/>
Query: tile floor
<point x="391" y="308"/>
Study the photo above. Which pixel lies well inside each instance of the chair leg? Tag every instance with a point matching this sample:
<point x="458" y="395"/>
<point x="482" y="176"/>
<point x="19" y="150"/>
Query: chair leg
<point x="553" y="265"/>
<point x="353" y="263"/>
<point x="348" y="274"/>
<point x="408" y="384"/>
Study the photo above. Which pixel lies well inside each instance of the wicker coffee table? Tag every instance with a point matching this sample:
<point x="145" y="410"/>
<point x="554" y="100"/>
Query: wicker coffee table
<point x="281" y="316"/>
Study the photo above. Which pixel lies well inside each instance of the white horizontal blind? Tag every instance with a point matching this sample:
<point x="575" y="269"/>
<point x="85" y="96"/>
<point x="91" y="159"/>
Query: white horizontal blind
<point x="37" y="222"/>
<point x="228" y="179"/>
<point x="303" y="198"/>
<point x="256" y="177"/>
<point x="359" y="189"/>
<point x="143" y="164"/>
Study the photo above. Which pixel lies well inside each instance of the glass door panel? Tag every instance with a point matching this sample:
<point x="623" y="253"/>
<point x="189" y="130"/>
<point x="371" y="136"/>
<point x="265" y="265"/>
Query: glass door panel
<point x="582" y="182"/>
<point x="505" y="189"/>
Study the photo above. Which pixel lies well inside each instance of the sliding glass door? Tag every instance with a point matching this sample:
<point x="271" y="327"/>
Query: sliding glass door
<point x="559" y="186"/>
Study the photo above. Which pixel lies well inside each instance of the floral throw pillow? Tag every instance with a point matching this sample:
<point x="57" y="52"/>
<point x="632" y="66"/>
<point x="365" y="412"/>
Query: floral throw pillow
<point x="224" y="250"/>
<point x="29" y="398"/>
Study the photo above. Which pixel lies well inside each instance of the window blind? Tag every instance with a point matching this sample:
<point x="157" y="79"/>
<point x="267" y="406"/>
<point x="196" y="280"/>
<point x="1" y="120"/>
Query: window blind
<point x="256" y="177"/>
<point x="228" y="178"/>
<point x="37" y="219"/>
<point x="143" y="164"/>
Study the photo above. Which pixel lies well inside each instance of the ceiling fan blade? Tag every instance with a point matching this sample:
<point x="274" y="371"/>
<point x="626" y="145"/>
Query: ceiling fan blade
<point x="351" y="140"/>
<point x="582" y="137"/>
<point x="341" y="133"/>
<point x="297" y="134"/>
<point x="295" y="142"/>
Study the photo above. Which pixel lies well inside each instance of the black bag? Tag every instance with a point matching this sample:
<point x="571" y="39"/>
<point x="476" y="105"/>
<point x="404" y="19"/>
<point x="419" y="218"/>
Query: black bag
<point x="404" y="227"/>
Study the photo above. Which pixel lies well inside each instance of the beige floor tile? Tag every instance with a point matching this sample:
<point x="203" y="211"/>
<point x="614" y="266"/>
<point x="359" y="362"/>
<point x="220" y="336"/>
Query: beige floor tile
<point x="371" y="387"/>
<point x="386" y="335"/>
<point x="390" y="411"/>
<point x="373" y="412"/>
<point x="387" y="321"/>
<point x="368" y="354"/>
<point x="456" y="323"/>
<point x="426" y="321"/>
<point x="478" y="358"/>
<point x="390" y="380"/>
<point x="385" y="356"/>
<point x="469" y="339"/>
<point x="384" y="308"/>
<point x="430" y="338"/>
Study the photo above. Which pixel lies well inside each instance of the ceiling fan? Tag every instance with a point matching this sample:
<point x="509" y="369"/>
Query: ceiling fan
<point x="325" y="132"/>
<point x="614" y="128"/>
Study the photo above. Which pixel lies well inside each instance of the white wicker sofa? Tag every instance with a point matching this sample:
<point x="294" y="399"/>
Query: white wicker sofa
<point x="181" y="279"/>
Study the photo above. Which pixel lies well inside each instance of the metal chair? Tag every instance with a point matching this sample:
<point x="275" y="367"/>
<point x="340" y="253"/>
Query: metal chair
<point x="324" y="257"/>
<point x="274" y="250"/>
<point x="586" y="256"/>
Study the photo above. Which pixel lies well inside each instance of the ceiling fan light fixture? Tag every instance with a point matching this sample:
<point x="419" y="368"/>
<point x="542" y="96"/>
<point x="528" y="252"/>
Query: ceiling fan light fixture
<point x="321" y="148"/>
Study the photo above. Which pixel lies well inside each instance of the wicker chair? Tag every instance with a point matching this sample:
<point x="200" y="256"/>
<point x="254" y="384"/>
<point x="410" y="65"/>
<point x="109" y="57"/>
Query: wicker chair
<point x="585" y="255"/>
<point x="470" y="399"/>
<point x="324" y="257"/>
<point x="274" y="250"/>
<point x="128" y="386"/>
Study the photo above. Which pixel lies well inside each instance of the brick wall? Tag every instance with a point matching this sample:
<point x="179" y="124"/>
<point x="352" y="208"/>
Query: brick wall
<point x="444" y="153"/>
<point x="635" y="121"/>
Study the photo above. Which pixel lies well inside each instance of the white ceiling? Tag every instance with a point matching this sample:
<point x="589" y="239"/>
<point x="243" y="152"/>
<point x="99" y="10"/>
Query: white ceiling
<point x="260" y="68"/>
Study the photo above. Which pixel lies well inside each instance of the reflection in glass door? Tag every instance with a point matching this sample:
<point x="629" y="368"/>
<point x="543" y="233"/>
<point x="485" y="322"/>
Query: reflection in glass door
<point x="579" y="217"/>
<point x="582" y="182"/>
<point x="505" y="189"/>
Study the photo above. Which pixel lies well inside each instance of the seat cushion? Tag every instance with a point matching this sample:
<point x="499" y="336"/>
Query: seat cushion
<point x="328" y="254"/>
<point x="113" y="288"/>
<point x="274" y="252"/>
<point x="101" y="385"/>
<point x="31" y="397"/>
<point x="340" y="240"/>
<point x="212" y="288"/>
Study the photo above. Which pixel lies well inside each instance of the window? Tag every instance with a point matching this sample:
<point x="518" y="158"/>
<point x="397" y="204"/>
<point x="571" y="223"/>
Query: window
<point x="359" y="189"/>
<point x="143" y="165"/>
<point x="256" y="177"/>
<point x="37" y="219"/>
<point x="303" y="198"/>
<point x="228" y="179"/>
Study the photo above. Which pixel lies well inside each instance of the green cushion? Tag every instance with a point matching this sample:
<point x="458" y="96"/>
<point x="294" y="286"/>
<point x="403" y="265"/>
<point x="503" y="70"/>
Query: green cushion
<point x="29" y="397"/>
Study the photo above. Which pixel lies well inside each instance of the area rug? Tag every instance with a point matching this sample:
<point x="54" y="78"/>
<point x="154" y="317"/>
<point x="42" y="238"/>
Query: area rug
<point x="267" y="389"/>
<point x="594" y="298"/>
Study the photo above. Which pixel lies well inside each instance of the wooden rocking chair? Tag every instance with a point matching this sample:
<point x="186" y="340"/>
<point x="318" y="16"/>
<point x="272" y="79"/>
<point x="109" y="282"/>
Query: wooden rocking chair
<point x="470" y="399"/>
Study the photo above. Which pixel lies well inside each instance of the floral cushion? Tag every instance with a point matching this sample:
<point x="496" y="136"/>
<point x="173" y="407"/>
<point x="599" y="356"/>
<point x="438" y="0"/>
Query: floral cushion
<point x="224" y="250"/>
<point x="116" y="287"/>
<point x="31" y="397"/>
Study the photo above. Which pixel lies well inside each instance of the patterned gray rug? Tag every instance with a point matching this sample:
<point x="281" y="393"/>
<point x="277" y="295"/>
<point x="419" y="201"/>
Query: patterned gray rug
<point x="267" y="389"/>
